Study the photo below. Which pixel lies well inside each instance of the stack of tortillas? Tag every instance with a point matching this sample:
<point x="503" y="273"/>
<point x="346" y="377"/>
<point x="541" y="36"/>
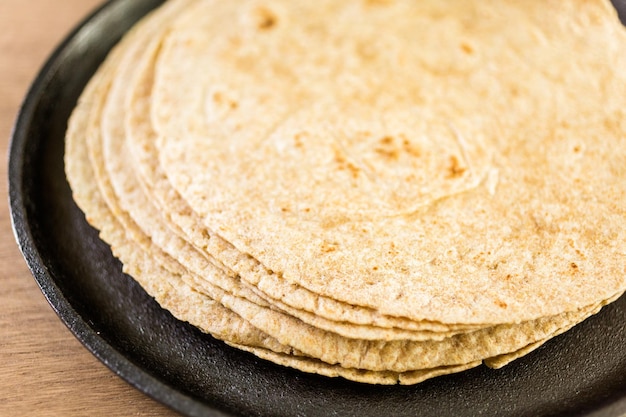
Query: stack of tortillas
<point x="383" y="190"/>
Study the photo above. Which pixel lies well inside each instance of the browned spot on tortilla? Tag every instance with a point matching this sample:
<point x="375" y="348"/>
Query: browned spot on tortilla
<point x="297" y="139"/>
<point x="328" y="247"/>
<point x="387" y="153"/>
<point x="467" y="48"/>
<point x="355" y="170"/>
<point x="266" y="19"/>
<point x="455" y="169"/>
<point x="387" y="148"/>
<point x="339" y="157"/>
<point x="411" y="149"/>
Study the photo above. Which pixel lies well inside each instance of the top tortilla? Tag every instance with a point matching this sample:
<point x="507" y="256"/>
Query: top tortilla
<point x="336" y="145"/>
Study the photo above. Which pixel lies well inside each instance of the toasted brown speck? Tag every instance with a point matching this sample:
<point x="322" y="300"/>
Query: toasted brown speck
<point x="467" y="48"/>
<point x="266" y="19"/>
<point x="339" y="157"/>
<point x="355" y="170"/>
<point x="455" y="169"/>
<point x="328" y="247"/>
<point x="297" y="139"/>
<point x="387" y="153"/>
<point x="411" y="149"/>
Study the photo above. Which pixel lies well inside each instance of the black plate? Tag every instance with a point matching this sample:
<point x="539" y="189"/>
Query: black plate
<point x="582" y="372"/>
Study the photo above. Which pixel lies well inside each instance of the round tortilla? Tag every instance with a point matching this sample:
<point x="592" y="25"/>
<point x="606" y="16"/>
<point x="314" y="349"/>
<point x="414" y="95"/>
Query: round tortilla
<point x="378" y="355"/>
<point x="191" y="281"/>
<point x="152" y="219"/>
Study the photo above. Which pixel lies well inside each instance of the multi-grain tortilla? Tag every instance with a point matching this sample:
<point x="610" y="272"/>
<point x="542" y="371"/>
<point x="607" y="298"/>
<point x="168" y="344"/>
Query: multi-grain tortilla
<point x="370" y="204"/>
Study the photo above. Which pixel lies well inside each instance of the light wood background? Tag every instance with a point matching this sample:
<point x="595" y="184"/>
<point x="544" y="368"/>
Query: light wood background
<point x="44" y="370"/>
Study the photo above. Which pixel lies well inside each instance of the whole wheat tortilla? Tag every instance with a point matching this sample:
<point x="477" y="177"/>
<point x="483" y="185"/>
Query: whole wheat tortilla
<point x="522" y="218"/>
<point x="399" y="356"/>
<point x="191" y="294"/>
<point x="181" y="218"/>
<point x="120" y="170"/>
<point x="189" y="304"/>
<point x="206" y="314"/>
<point x="115" y="176"/>
<point x="174" y="295"/>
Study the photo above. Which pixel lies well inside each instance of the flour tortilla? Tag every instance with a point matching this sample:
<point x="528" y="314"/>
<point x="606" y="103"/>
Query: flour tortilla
<point x="184" y="293"/>
<point x="206" y="313"/>
<point x="329" y="347"/>
<point x="175" y="296"/>
<point x="120" y="170"/>
<point x="382" y="378"/>
<point x="187" y="303"/>
<point x="401" y="356"/>
<point x="115" y="176"/>
<point x="526" y="219"/>
<point x="183" y="220"/>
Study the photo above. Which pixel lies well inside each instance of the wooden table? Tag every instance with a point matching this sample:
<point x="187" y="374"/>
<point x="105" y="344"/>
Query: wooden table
<point x="44" y="370"/>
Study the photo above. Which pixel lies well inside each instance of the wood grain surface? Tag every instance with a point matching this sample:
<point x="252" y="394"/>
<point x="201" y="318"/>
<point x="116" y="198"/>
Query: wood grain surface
<point x="44" y="370"/>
